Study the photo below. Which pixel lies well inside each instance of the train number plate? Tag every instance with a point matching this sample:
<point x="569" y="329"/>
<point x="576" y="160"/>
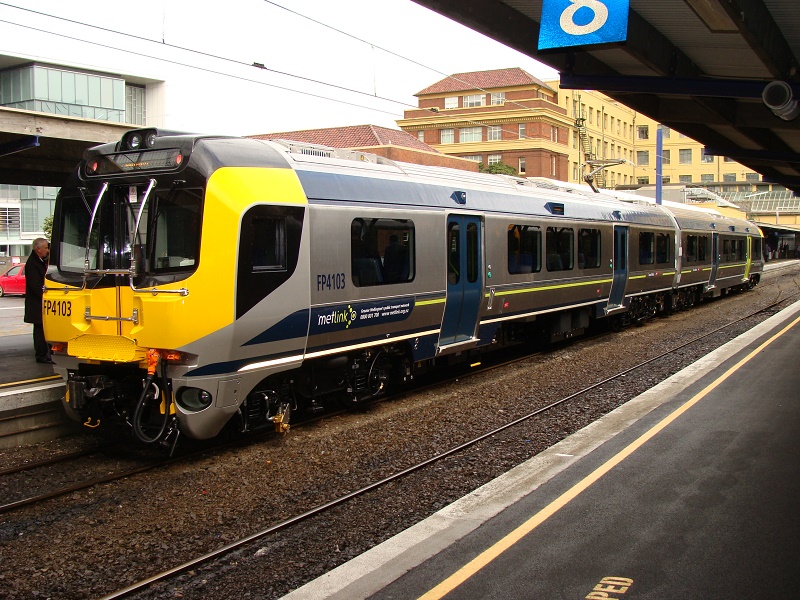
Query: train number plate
<point x="57" y="308"/>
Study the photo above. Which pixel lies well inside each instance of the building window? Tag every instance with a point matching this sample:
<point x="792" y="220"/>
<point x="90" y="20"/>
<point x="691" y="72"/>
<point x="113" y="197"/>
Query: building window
<point x="421" y="136"/>
<point x="685" y="156"/>
<point x="553" y="133"/>
<point x="728" y="177"/>
<point x="553" y="165"/>
<point x="447" y="136"/>
<point x="494" y="159"/>
<point x="685" y="178"/>
<point x="451" y="102"/>
<point x="470" y="134"/>
<point x="521" y="130"/>
<point x="706" y="178"/>
<point x="642" y="157"/>
<point x="521" y="165"/>
<point x="665" y="157"/>
<point x="494" y="133"/>
<point x="474" y="157"/>
<point x="135" y="112"/>
<point x="728" y="159"/>
<point x="643" y="180"/>
<point x="706" y="158"/>
<point x="473" y="100"/>
<point x="498" y="98"/>
<point x="643" y="132"/>
<point x="752" y="177"/>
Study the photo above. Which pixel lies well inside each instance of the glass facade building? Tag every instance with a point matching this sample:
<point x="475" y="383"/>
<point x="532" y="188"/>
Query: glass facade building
<point x="60" y="91"/>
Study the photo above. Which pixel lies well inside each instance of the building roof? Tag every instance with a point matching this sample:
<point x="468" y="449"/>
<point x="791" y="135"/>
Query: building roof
<point x="483" y="80"/>
<point x="354" y="136"/>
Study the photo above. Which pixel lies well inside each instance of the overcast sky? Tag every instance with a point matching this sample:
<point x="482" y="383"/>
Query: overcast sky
<point x="205" y="51"/>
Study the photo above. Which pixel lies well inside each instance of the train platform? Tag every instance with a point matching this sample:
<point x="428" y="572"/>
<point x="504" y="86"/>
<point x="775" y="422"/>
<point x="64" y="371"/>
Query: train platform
<point x="690" y="490"/>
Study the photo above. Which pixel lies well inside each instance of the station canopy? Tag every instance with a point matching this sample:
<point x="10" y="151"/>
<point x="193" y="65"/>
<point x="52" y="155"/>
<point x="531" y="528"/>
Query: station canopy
<point x="722" y="72"/>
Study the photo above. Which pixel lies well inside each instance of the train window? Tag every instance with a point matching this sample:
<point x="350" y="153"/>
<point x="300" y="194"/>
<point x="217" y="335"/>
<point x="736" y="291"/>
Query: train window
<point x="690" y="255"/>
<point x="560" y="248"/>
<point x="269" y="249"/>
<point x="524" y="249"/>
<point x="703" y="248"/>
<point x="663" y="244"/>
<point x="727" y="252"/>
<point x="382" y="251"/>
<point x="174" y="230"/>
<point x="757" y="253"/>
<point x="453" y="253"/>
<point x="473" y="253"/>
<point x="269" y="244"/>
<point x="588" y="248"/>
<point x="647" y="242"/>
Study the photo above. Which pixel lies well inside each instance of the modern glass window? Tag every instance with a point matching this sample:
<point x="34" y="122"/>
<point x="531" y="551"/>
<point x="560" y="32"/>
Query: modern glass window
<point x="451" y="102"/>
<point x="494" y="133"/>
<point x="447" y="136"/>
<point x="524" y="249"/>
<point x="647" y="242"/>
<point x="663" y="245"/>
<point x="470" y="134"/>
<point x="685" y="156"/>
<point x="382" y="251"/>
<point x="494" y="159"/>
<point x="559" y="242"/>
<point x="642" y="157"/>
<point x="588" y="248"/>
<point x="498" y="98"/>
<point x="474" y="100"/>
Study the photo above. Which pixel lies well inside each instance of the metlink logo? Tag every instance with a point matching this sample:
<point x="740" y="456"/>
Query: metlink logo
<point x="346" y="316"/>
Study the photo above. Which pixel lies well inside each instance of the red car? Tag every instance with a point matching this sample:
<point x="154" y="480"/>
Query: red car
<point x="13" y="281"/>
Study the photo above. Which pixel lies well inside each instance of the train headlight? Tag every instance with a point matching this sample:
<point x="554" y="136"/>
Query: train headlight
<point x="193" y="399"/>
<point x="135" y="141"/>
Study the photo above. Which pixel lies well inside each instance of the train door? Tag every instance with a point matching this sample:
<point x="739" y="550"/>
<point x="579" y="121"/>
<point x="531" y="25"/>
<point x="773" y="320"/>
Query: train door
<point x="464" y="279"/>
<point x="620" y="268"/>
<point x="712" y="282"/>
<point x="748" y="258"/>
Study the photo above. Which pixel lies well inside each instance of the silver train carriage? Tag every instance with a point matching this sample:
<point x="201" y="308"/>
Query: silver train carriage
<point x="205" y="280"/>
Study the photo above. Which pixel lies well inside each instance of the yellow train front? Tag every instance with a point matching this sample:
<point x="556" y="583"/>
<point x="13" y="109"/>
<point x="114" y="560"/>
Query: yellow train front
<point x="146" y="240"/>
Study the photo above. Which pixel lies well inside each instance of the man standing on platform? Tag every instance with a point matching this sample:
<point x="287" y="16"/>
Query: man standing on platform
<point x="35" y="270"/>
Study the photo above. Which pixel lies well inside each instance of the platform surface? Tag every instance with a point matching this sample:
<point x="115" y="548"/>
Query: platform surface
<point x="691" y="490"/>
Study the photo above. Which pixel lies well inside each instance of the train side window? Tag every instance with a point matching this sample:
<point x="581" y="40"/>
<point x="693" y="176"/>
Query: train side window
<point x="663" y="244"/>
<point x="702" y="248"/>
<point x="691" y="249"/>
<point x="647" y="242"/>
<point x="382" y="251"/>
<point x="727" y="251"/>
<point x="588" y="248"/>
<point x="524" y="249"/>
<point x="559" y="242"/>
<point x="269" y="244"/>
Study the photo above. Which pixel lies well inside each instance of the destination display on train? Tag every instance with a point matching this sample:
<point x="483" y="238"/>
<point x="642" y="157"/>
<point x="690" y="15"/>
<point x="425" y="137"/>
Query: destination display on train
<point x="126" y="162"/>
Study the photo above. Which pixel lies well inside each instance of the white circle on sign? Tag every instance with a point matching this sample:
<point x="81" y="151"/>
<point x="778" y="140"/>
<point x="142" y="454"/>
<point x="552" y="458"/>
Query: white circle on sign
<point x="569" y="25"/>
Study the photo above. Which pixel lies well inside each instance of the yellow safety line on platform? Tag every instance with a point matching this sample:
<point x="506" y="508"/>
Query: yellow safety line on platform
<point x="37" y="380"/>
<point x="487" y="556"/>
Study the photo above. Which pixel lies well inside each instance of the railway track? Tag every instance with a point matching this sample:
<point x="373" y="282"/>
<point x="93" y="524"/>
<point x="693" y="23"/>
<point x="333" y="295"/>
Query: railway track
<point x="296" y="520"/>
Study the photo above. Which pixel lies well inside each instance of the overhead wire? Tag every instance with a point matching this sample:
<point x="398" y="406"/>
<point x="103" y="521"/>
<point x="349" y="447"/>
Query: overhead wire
<point x="258" y="65"/>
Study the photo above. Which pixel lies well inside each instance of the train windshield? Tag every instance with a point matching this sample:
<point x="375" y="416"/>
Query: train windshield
<point x="167" y="240"/>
